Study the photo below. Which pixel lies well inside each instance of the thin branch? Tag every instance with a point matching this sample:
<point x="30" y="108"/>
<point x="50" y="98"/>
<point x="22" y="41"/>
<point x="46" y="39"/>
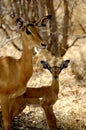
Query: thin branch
<point x="77" y="38"/>
<point x="6" y="41"/>
<point x="72" y="9"/>
<point x="59" y="5"/>
<point x="83" y="29"/>
<point x="10" y="39"/>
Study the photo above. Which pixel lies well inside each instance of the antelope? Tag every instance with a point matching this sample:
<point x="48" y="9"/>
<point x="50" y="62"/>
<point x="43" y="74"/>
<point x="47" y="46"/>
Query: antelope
<point x="15" y="73"/>
<point x="45" y="96"/>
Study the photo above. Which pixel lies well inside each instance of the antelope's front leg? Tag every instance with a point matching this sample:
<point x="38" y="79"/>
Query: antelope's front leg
<point x="5" y="113"/>
<point x="51" y="119"/>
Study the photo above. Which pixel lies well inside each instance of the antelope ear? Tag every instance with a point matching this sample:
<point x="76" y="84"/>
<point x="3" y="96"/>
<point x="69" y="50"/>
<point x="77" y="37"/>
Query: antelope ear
<point x="43" y="21"/>
<point x="64" y="64"/>
<point x="20" y="23"/>
<point x="46" y="65"/>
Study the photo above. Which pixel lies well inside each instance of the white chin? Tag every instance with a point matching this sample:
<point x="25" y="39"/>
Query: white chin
<point x="32" y="46"/>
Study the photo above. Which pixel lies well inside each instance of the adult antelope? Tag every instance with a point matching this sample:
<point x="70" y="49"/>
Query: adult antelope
<point x="45" y="96"/>
<point x="15" y="73"/>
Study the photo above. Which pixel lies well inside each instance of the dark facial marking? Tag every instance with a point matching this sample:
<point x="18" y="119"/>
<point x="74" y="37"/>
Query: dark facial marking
<point x="19" y="22"/>
<point x="30" y="24"/>
<point x="45" y="65"/>
<point x="28" y="32"/>
<point x="49" y="16"/>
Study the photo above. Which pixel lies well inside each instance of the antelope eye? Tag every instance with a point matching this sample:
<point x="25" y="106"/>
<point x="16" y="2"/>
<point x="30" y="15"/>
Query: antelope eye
<point x="28" y="32"/>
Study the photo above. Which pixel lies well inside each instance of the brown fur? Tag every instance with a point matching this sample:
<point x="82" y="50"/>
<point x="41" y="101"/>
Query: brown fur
<point x="45" y="96"/>
<point x="14" y="74"/>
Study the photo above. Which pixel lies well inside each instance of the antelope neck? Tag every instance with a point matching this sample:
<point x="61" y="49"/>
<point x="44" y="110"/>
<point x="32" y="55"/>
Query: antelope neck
<point x="55" y="85"/>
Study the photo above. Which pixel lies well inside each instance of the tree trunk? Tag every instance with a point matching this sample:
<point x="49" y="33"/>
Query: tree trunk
<point x="53" y="45"/>
<point x="63" y="45"/>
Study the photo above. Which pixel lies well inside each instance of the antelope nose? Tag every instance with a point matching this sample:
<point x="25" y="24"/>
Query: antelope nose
<point x="43" y="45"/>
<point x="55" y="77"/>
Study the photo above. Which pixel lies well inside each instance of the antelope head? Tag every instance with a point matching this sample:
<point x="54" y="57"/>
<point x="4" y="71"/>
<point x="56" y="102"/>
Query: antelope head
<point x="31" y="31"/>
<point x="55" y="70"/>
